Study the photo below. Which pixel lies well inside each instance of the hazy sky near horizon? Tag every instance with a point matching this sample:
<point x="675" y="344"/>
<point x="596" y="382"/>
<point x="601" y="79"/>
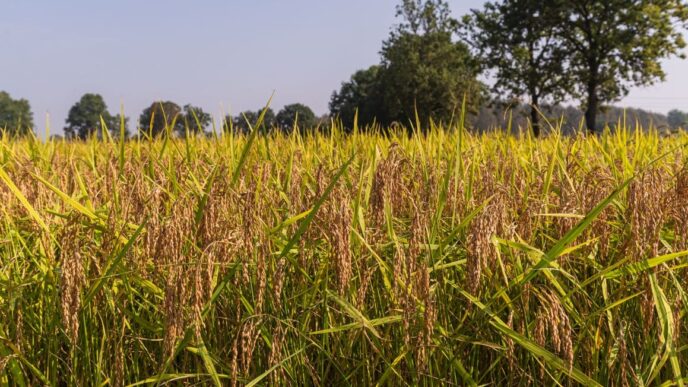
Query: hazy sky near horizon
<point x="225" y="56"/>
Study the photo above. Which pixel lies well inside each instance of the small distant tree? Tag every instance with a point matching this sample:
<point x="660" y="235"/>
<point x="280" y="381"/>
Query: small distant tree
<point x="360" y="94"/>
<point x="115" y="127"/>
<point x="195" y="120"/>
<point x="84" y="118"/>
<point x="616" y="44"/>
<point x="15" y="115"/>
<point x="677" y="119"/>
<point x="160" y="116"/>
<point x="240" y="122"/>
<point x="288" y="116"/>
<point x="518" y="39"/>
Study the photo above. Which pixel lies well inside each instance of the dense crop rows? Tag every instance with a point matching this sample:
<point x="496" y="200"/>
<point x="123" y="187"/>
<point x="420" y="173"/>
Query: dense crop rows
<point x="336" y="260"/>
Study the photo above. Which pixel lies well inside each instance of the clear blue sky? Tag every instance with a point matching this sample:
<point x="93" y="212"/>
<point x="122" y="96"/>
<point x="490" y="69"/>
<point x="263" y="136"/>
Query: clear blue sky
<point x="221" y="55"/>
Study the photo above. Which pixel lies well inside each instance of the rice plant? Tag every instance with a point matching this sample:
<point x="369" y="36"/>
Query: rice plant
<point x="441" y="258"/>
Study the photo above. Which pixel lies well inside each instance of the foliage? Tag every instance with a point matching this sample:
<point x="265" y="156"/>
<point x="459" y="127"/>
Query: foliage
<point x="519" y="40"/>
<point x="86" y="118"/>
<point x="195" y="120"/>
<point x="161" y="117"/>
<point x="593" y="51"/>
<point x="361" y="96"/>
<point x="15" y="115"/>
<point x="240" y="123"/>
<point x="291" y="115"/>
<point x="428" y="75"/>
<point x="421" y="17"/>
<point x="616" y="44"/>
<point x="423" y="72"/>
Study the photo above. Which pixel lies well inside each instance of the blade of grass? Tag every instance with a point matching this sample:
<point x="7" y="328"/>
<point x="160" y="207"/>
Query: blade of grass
<point x="303" y="225"/>
<point x="550" y="359"/>
<point x="113" y="263"/>
<point x="666" y="318"/>
<point x="22" y="199"/>
<point x="271" y="369"/>
<point x="249" y="143"/>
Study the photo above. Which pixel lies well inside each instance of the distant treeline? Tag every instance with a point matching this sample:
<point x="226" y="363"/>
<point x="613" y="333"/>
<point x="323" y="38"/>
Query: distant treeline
<point x="538" y="53"/>
<point x="570" y="119"/>
<point x="90" y="117"/>
<point x="90" y="114"/>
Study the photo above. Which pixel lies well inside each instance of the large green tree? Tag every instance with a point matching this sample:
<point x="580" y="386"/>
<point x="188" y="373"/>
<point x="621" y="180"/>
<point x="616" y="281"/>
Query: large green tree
<point x="424" y="70"/>
<point x="360" y="94"/>
<point x="519" y="41"/>
<point x="616" y="44"/>
<point x="15" y="115"/>
<point x="160" y="116"/>
<point x="295" y="113"/>
<point x="84" y="118"/>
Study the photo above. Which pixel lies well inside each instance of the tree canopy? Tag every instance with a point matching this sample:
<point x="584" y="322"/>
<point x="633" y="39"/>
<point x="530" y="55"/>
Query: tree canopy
<point x="588" y="50"/>
<point x="195" y="120"/>
<point x="290" y="115"/>
<point x="15" y="115"/>
<point x="519" y="41"/>
<point x="161" y="116"/>
<point x="616" y="44"/>
<point x="423" y="72"/>
<point x="85" y="115"/>
<point x="240" y="122"/>
<point x="360" y="94"/>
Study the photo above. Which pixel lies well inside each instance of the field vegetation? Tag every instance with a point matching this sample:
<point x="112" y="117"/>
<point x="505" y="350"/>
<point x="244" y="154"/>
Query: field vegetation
<point x="410" y="237"/>
<point x="439" y="258"/>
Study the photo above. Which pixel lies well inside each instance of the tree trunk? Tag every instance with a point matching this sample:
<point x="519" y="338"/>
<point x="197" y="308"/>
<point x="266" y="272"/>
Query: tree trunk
<point x="593" y="102"/>
<point x="535" y="115"/>
<point x="591" y="113"/>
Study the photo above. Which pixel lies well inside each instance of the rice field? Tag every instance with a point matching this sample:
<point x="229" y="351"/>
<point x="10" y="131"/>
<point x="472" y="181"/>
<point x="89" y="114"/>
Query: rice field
<point x="442" y="258"/>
